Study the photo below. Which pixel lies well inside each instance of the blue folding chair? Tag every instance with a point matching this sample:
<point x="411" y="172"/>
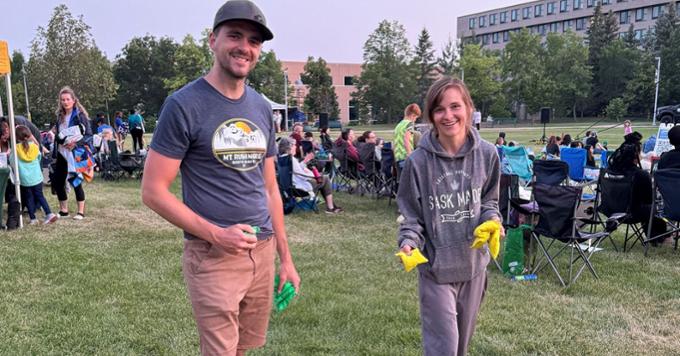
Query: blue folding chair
<point x="304" y="200"/>
<point x="517" y="162"/>
<point x="666" y="182"/>
<point x="576" y="159"/>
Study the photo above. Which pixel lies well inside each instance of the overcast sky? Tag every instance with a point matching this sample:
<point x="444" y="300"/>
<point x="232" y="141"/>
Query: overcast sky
<point x="333" y="29"/>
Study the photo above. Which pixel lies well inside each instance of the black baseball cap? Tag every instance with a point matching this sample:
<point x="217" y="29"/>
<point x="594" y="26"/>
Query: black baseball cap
<point x="243" y="10"/>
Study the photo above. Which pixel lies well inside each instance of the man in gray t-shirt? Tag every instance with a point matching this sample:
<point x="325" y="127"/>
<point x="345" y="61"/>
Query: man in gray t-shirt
<point x="219" y="134"/>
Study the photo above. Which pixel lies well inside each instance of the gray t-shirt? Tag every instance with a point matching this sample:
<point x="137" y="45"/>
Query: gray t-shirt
<point x="222" y="144"/>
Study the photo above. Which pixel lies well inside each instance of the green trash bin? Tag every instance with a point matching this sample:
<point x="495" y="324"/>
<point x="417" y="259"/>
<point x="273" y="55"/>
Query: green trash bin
<point x="4" y="178"/>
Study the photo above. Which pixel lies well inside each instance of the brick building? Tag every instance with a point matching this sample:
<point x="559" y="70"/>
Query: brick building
<point x="342" y="74"/>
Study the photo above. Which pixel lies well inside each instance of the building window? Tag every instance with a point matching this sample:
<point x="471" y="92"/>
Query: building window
<point x="623" y="17"/>
<point x="566" y="25"/>
<point x="353" y="111"/>
<point x="550" y="7"/>
<point x="349" y="80"/>
<point x="592" y="3"/>
<point x="471" y="23"/>
<point x="492" y="19"/>
<point x="677" y="8"/>
<point x="553" y="27"/>
<point x="485" y="39"/>
<point x="526" y="12"/>
<point x="580" y="24"/>
<point x="640" y="15"/>
<point x="577" y="4"/>
<point x="482" y="21"/>
<point x="564" y="6"/>
<point x="538" y="10"/>
<point x="606" y="2"/>
<point x="639" y="34"/>
<point x="656" y="11"/>
<point x="504" y="17"/>
<point x="506" y="36"/>
<point x="495" y="37"/>
<point x="513" y="15"/>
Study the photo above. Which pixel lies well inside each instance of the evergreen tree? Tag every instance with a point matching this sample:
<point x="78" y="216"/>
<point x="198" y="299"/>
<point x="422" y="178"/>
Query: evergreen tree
<point x="321" y="97"/>
<point x="447" y="62"/>
<point x="629" y="39"/>
<point x="601" y="33"/>
<point x="424" y="63"/>
<point x="567" y="69"/>
<point x="665" y="25"/>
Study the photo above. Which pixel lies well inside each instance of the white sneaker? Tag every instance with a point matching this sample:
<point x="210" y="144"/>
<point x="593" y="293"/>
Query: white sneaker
<point x="50" y="218"/>
<point x="33" y="222"/>
<point x="78" y="216"/>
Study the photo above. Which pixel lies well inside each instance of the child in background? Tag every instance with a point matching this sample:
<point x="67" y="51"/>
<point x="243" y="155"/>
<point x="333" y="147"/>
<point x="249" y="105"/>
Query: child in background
<point x="30" y="175"/>
<point x="627" y="127"/>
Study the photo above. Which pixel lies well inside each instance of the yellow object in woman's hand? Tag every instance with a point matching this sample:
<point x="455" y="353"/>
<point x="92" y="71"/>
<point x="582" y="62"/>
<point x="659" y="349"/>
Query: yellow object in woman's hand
<point x="411" y="261"/>
<point x="488" y="232"/>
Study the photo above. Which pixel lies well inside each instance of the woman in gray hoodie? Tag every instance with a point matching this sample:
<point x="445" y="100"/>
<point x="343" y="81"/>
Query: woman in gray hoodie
<point x="449" y="186"/>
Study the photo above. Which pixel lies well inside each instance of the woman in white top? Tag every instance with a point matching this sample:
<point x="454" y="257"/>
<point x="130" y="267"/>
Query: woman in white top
<point x="304" y="178"/>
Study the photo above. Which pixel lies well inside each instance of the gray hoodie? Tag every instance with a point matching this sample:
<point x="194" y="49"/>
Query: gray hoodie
<point x="443" y="198"/>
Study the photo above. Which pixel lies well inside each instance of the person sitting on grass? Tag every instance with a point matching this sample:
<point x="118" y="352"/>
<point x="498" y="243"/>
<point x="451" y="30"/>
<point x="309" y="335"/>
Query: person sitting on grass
<point x="671" y="159"/>
<point x="304" y="178"/>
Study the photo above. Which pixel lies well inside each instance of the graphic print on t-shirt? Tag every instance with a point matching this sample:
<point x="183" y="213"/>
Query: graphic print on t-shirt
<point x="239" y="144"/>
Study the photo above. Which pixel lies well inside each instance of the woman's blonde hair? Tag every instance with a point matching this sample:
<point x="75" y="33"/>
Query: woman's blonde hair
<point x="76" y="102"/>
<point x="435" y="93"/>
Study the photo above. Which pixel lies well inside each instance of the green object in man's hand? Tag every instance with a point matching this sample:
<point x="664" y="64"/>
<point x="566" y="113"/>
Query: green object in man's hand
<point x="282" y="299"/>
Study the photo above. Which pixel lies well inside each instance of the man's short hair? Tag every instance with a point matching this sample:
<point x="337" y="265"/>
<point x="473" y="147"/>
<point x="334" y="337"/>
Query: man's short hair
<point x="674" y="136"/>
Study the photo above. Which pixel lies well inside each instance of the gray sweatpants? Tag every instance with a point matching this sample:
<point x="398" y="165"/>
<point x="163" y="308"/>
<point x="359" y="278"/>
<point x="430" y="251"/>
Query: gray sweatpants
<point x="448" y="313"/>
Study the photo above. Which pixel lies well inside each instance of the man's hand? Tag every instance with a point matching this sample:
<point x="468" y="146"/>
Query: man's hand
<point x="236" y="238"/>
<point x="287" y="273"/>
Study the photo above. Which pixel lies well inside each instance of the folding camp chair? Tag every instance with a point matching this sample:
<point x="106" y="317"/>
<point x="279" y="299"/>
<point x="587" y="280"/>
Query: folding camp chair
<point x="615" y="193"/>
<point x="665" y="183"/>
<point x="387" y="178"/>
<point x="576" y="158"/>
<point x="557" y="207"/>
<point x="517" y="162"/>
<point x="345" y="171"/>
<point x="368" y="177"/>
<point x="550" y="172"/>
<point x="304" y="200"/>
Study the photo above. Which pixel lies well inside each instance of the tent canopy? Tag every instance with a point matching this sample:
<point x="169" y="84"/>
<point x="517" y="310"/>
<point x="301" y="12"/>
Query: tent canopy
<point x="275" y="106"/>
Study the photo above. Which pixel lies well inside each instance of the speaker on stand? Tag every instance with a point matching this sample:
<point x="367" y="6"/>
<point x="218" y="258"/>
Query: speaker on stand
<point x="323" y="120"/>
<point x="545" y="119"/>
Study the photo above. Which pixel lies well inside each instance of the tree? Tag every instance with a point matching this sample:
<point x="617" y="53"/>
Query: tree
<point x="639" y="92"/>
<point x="17" y="63"/>
<point x="191" y="62"/>
<point x="64" y="53"/>
<point x="665" y="25"/>
<point x="617" y="65"/>
<point x="482" y="74"/>
<point x="424" y="63"/>
<point x="321" y="97"/>
<point x="669" y="84"/>
<point x="566" y="62"/>
<point x="616" y="109"/>
<point x="524" y="71"/>
<point x="267" y="77"/>
<point x="629" y="39"/>
<point x="141" y="71"/>
<point x="387" y="82"/>
<point x="448" y="60"/>
<point x="601" y="33"/>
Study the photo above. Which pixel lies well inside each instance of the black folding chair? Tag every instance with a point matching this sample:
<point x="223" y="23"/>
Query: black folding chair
<point x="557" y="207"/>
<point x="666" y="183"/>
<point x="387" y="182"/>
<point x="615" y="192"/>
<point x="303" y="200"/>
<point x="551" y="172"/>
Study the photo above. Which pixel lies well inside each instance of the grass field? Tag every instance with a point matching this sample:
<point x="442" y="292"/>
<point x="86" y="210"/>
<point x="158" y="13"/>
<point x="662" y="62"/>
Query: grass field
<point x="112" y="285"/>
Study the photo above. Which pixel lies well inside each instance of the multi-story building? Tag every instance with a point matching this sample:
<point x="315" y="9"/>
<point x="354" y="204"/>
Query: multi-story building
<point x="343" y="81"/>
<point x="493" y="27"/>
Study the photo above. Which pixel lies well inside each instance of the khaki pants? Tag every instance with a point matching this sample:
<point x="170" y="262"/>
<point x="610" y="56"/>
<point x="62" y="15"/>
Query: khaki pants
<point x="231" y="295"/>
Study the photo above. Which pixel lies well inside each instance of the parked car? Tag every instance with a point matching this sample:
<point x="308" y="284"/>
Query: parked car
<point x="667" y="114"/>
<point x="332" y="124"/>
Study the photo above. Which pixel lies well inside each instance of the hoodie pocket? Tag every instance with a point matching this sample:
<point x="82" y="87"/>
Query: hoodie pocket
<point x="455" y="260"/>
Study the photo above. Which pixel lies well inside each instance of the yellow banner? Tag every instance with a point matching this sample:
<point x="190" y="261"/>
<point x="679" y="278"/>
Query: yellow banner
<point x="5" y="66"/>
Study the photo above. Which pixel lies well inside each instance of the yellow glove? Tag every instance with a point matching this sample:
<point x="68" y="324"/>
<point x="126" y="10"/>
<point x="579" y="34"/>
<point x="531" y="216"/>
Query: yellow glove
<point x="410" y="262"/>
<point x="488" y="232"/>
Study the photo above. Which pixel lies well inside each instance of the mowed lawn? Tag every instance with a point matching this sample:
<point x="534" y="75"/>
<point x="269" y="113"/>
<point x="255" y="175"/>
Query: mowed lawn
<point x="112" y="285"/>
